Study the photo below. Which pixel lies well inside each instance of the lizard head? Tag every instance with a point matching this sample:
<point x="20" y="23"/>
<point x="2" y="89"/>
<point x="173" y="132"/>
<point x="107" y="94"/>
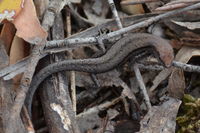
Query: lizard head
<point x="166" y="54"/>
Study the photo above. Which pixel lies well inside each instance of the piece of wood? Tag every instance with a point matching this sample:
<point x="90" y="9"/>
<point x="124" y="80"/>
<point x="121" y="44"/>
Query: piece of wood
<point x="6" y="101"/>
<point x="55" y="91"/>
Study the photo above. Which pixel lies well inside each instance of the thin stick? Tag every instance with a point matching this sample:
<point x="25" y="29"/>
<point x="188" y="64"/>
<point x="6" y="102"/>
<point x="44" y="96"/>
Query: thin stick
<point x="182" y="1"/>
<point x="14" y="67"/>
<point x="100" y="107"/>
<point x="71" y="42"/>
<point x="114" y="11"/>
<point x="134" y="2"/>
<point x="142" y="86"/>
<point x="187" y="67"/>
<point x="172" y="7"/>
<point x="72" y="73"/>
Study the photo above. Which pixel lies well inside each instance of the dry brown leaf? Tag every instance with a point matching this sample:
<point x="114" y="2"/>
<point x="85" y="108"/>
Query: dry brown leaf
<point x="176" y="84"/>
<point x="7" y="35"/>
<point x="17" y="52"/>
<point x="176" y="44"/>
<point x="27" y="24"/>
<point x="132" y="9"/>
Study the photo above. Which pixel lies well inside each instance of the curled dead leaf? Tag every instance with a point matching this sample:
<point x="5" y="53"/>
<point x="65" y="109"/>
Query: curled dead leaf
<point x="28" y="26"/>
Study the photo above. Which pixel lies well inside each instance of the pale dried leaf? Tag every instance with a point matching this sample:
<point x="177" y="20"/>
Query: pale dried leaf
<point x="176" y="84"/>
<point x="17" y="52"/>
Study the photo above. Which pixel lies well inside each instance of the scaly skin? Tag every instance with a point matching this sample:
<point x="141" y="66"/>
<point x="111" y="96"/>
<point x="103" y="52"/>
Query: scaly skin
<point x="120" y="51"/>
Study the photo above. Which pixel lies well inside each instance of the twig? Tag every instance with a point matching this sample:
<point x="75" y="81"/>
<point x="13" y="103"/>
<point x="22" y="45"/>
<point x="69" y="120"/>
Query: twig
<point x="182" y="1"/>
<point x="14" y="67"/>
<point x="187" y="67"/>
<point x="72" y="73"/>
<point x="142" y="86"/>
<point x="14" y="73"/>
<point x="183" y="66"/>
<point x="99" y="107"/>
<point x="71" y="42"/>
<point x="133" y="2"/>
<point x="172" y="7"/>
<point x="127" y="92"/>
<point x="114" y="11"/>
<point x="176" y="4"/>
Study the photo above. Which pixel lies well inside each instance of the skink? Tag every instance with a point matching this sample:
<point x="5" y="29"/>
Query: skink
<point x="120" y="51"/>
